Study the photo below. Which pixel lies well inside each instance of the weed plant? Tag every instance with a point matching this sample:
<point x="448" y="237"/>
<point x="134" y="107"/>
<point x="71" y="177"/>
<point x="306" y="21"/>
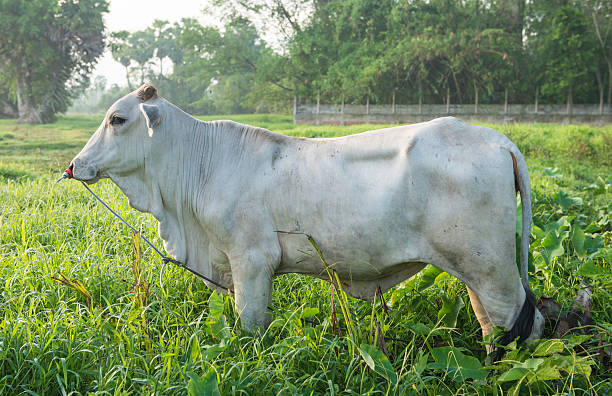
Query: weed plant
<point x="83" y="311"/>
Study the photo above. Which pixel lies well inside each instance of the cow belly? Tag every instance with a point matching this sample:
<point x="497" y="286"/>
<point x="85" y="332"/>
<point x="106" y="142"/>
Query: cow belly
<point x="366" y="288"/>
<point x="358" y="249"/>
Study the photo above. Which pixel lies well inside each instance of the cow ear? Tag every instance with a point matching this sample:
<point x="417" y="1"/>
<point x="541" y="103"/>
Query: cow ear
<point x="152" y="116"/>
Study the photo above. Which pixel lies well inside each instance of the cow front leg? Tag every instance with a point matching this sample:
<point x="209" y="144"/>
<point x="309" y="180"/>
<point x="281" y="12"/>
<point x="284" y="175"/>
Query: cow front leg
<point x="252" y="288"/>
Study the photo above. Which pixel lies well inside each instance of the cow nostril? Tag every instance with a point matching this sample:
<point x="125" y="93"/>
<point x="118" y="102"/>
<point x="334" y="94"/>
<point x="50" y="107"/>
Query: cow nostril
<point x="71" y="167"/>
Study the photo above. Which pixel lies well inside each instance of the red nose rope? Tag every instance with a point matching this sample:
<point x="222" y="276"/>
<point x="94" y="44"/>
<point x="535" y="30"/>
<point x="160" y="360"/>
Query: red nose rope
<point x="67" y="175"/>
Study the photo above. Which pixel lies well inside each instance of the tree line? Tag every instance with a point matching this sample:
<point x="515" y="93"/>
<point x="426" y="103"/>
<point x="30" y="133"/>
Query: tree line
<point x="266" y="52"/>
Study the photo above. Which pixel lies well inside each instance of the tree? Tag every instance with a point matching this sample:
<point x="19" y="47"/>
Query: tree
<point x="283" y="17"/>
<point x="141" y="51"/>
<point x="120" y="50"/>
<point x="49" y="48"/>
<point x="567" y="49"/>
<point x="600" y="12"/>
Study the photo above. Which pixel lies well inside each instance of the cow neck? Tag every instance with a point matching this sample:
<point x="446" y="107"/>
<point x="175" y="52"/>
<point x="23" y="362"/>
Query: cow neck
<point x="177" y="171"/>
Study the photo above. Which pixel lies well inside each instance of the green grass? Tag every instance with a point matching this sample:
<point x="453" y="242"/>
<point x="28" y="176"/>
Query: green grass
<point x="171" y="339"/>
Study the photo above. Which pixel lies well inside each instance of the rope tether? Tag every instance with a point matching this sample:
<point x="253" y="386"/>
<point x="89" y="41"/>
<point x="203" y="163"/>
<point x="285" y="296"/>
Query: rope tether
<point x="164" y="258"/>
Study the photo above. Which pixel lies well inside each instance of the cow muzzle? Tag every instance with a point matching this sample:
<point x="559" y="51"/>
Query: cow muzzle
<point x="84" y="172"/>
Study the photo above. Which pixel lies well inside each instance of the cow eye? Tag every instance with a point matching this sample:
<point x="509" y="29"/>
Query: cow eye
<point x="116" y="120"/>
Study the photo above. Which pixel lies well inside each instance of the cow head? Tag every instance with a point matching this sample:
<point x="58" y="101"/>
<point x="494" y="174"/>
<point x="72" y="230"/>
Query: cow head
<point x="120" y="145"/>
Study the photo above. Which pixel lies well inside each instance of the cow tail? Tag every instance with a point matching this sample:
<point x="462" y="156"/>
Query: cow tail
<point x="523" y="326"/>
<point x="521" y="178"/>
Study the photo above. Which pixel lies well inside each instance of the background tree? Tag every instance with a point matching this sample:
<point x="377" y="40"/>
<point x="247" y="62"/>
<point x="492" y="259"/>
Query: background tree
<point x="49" y="48"/>
<point x="600" y="14"/>
<point x="563" y="42"/>
<point x="120" y="46"/>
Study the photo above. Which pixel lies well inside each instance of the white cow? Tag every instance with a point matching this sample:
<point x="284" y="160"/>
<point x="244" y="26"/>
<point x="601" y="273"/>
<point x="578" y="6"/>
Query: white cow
<point x="380" y="204"/>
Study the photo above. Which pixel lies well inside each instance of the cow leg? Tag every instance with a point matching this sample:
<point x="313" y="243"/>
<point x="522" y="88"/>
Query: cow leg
<point x="506" y="304"/>
<point x="481" y="316"/>
<point x="496" y="292"/>
<point x="252" y="288"/>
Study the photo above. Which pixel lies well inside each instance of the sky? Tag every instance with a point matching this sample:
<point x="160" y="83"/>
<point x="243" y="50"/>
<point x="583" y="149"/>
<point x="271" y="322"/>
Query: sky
<point x="134" y="15"/>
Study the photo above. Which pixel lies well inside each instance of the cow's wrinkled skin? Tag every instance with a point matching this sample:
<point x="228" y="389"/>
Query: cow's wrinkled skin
<point x="380" y="204"/>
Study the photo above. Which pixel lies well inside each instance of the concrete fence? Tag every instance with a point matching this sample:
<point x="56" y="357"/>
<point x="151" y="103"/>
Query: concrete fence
<point x="400" y="114"/>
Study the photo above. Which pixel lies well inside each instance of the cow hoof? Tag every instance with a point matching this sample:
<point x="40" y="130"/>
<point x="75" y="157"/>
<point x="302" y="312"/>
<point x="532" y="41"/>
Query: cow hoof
<point x="538" y="327"/>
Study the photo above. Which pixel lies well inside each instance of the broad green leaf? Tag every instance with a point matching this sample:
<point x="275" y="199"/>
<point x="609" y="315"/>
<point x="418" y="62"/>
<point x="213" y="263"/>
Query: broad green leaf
<point x="419" y="328"/>
<point x="514" y="374"/>
<point x="546" y="372"/>
<point x="421" y="363"/>
<point x="441" y="278"/>
<point x="593" y="271"/>
<point x="520" y="370"/>
<point x="450" y="310"/>
<point x="593" y="243"/>
<point x="583" y="366"/>
<point x="537" y="232"/>
<point x="215" y="305"/>
<point x="571" y="364"/>
<point x="532" y="364"/>
<point x="560" y="225"/>
<point x="216" y="320"/>
<point x="576" y="340"/>
<point x="219" y="329"/>
<point x="205" y="385"/>
<point x="548" y="347"/>
<point x="211" y="352"/>
<point x="309" y="312"/>
<point x="566" y="201"/>
<point x="578" y="240"/>
<point x="195" y="348"/>
<point x="377" y="361"/>
<point x="552" y="246"/>
<point x="458" y="366"/>
<point x="428" y="277"/>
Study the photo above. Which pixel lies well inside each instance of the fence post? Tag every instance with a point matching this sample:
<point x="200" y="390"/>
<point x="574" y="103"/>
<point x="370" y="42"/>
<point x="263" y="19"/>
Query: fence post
<point x="318" y="110"/>
<point x="447" y="99"/>
<point x="506" y="102"/>
<point x="368" y="107"/>
<point x="570" y="104"/>
<point x="475" y="98"/>
<point x="420" y="104"/>
<point x="342" y="112"/>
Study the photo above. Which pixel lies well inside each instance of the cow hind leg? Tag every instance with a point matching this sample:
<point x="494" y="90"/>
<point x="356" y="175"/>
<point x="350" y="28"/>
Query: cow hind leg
<point x="481" y="316"/>
<point x="497" y="295"/>
<point x="521" y="321"/>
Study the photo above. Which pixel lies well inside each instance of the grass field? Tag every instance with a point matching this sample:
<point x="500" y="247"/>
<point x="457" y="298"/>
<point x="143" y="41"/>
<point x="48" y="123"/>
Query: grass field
<point x="112" y="328"/>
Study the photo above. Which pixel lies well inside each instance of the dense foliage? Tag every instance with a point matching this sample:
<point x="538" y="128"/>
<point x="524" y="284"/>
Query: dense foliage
<point x="48" y="49"/>
<point x="409" y="51"/>
<point x="267" y="52"/>
<point x="82" y="310"/>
